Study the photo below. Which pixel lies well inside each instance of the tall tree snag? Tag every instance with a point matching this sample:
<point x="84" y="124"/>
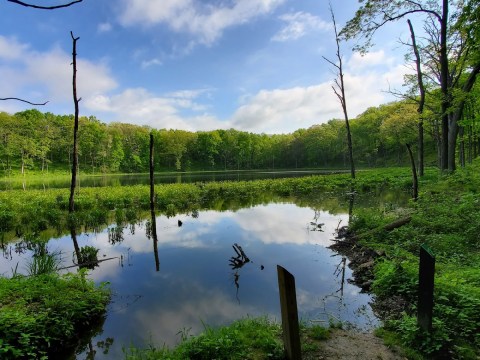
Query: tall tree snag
<point x="339" y="90"/>
<point x="421" y="103"/>
<point x="76" y="100"/>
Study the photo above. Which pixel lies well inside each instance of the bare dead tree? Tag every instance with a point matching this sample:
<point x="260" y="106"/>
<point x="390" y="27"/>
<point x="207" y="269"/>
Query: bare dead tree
<point x="44" y="7"/>
<point x="76" y="100"/>
<point x="339" y="90"/>
<point x="421" y="103"/>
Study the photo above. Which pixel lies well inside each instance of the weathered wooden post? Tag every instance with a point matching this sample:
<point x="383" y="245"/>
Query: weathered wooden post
<point x="288" y="305"/>
<point x="425" y="288"/>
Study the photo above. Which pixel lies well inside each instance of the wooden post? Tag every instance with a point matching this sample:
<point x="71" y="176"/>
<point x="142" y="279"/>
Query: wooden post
<point x="288" y="304"/>
<point x="425" y="288"/>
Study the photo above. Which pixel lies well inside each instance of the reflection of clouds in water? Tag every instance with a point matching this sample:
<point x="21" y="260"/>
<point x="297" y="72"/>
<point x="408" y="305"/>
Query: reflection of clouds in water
<point x="282" y="224"/>
<point x="164" y="322"/>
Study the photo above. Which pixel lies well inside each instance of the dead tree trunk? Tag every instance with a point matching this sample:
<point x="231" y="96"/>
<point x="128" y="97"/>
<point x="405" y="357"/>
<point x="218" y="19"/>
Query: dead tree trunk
<point x="71" y="206"/>
<point x="339" y="90"/>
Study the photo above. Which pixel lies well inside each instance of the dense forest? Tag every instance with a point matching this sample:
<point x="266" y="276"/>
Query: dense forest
<point x="35" y="140"/>
<point x="32" y="140"/>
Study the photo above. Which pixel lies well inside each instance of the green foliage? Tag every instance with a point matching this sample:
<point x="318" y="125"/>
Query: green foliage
<point x="44" y="263"/>
<point x="88" y="256"/>
<point x="45" y="140"/>
<point x="446" y="218"/>
<point x="36" y="210"/>
<point x="318" y="332"/>
<point x="244" y="339"/>
<point x="43" y="314"/>
<point x="395" y="277"/>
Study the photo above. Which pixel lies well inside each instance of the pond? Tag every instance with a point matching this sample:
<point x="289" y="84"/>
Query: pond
<point x="197" y="273"/>
<point x="160" y="178"/>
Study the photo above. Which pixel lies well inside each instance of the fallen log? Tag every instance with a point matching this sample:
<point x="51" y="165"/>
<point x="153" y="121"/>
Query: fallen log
<point x="389" y="227"/>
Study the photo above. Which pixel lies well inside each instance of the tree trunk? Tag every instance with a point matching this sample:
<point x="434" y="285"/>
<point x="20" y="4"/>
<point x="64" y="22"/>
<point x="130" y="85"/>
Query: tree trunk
<point x="444" y="87"/>
<point x="421" y="103"/>
<point x="461" y="149"/>
<point x="414" y="174"/>
<point x="71" y="206"/>
<point x="455" y="117"/>
<point x="341" y="95"/>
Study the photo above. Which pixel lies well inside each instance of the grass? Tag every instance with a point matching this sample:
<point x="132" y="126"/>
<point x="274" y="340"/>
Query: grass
<point x="446" y="218"/>
<point x="244" y="339"/>
<point x="34" y="211"/>
<point x="43" y="314"/>
<point x="251" y="338"/>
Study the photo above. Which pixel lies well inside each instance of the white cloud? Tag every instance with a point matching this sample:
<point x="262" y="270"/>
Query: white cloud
<point x="358" y="62"/>
<point x="138" y="106"/>
<point x="49" y="73"/>
<point x="299" y="24"/>
<point x="151" y="62"/>
<point x="11" y="49"/>
<point x="206" y="21"/>
<point x="285" y="110"/>
<point x="104" y="27"/>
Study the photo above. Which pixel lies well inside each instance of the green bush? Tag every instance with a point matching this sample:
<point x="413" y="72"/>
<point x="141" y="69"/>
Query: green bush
<point x="43" y="314"/>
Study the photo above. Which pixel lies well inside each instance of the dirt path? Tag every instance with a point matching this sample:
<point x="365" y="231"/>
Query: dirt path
<point x="348" y="345"/>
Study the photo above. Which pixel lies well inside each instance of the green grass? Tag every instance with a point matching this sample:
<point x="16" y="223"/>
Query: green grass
<point x="34" y="211"/>
<point x="244" y="339"/>
<point x="44" y="314"/>
<point x="446" y="218"/>
<point x="250" y="338"/>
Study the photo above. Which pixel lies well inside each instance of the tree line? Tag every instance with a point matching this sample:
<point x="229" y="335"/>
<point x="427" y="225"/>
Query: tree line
<point x="32" y="140"/>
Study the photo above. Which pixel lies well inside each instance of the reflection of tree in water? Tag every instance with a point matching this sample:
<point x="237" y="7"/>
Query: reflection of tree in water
<point x="151" y="232"/>
<point x="85" y="257"/>
<point x="115" y="234"/>
<point x="315" y="225"/>
<point x="339" y="272"/>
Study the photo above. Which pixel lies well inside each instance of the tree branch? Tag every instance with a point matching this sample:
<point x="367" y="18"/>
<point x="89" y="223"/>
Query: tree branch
<point x="25" y="101"/>
<point x="44" y="7"/>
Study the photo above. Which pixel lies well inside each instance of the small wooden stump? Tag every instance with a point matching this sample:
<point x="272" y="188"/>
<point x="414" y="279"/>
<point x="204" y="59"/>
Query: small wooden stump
<point x="288" y="304"/>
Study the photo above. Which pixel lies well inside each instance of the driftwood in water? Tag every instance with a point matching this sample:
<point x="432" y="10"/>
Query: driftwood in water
<point x="88" y="263"/>
<point x="389" y="227"/>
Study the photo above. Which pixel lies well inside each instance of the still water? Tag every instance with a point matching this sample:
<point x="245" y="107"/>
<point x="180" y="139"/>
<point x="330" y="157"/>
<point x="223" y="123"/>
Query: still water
<point x="195" y="284"/>
<point x="160" y="178"/>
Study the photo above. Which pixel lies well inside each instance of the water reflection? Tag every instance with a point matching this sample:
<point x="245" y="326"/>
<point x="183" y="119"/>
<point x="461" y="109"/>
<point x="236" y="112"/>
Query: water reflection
<point x="160" y="178"/>
<point x="194" y="284"/>
<point x="236" y="263"/>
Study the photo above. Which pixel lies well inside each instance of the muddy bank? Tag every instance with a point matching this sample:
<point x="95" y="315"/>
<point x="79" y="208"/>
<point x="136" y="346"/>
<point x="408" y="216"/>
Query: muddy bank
<point x="361" y="262"/>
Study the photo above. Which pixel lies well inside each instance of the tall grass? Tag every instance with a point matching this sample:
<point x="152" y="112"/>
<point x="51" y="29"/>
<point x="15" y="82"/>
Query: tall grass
<point x="44" y="263"/>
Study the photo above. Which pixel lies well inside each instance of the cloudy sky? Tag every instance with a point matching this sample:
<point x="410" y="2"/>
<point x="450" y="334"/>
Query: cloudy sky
<point x="254" y="65"/>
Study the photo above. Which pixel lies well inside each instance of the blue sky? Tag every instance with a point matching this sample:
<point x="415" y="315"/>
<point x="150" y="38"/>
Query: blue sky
<point x="254" y="65"/>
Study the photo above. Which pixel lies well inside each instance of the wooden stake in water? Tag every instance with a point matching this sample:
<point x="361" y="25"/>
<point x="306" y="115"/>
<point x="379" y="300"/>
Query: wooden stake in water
<point x="288" y="304"/>
<point x="425" y="288"/>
